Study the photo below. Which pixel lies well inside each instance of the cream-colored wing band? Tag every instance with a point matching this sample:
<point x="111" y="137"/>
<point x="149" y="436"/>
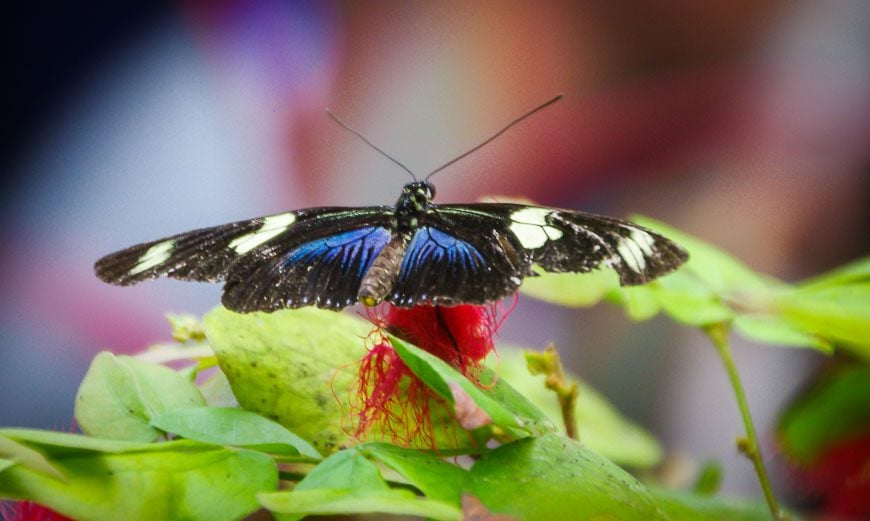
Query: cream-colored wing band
<point x="273" y="226"/>
<point x="531" y="227"/>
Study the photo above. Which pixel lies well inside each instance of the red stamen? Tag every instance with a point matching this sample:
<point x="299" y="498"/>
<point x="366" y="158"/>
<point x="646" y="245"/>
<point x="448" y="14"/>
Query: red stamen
<point x="389" y="395"/>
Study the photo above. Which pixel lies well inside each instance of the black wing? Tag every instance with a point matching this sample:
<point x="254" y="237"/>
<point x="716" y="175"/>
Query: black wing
<point x="460" y="257"/>
<point x="496" y="244"/>
<point x="306" y="257"/>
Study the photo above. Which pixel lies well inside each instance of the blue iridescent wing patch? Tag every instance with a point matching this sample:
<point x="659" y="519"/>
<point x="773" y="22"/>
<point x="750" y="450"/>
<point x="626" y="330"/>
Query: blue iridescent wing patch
<point x="353" y="251"/>
<point x="432" y="246"/>
<point x="449" y="263"/>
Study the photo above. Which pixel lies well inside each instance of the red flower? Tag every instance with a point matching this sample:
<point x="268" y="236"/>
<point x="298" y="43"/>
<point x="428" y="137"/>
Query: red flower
<point x="840" y="477"/>
<point x="29" y="511"/>
<point x="388" y="394"/>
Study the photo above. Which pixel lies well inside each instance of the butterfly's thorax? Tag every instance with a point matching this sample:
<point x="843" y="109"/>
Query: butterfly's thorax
<point x="415" y="201"/>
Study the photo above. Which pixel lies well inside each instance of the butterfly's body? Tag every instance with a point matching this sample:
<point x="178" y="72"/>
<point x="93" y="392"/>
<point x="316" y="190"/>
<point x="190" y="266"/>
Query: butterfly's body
<point x="414" y="253"/>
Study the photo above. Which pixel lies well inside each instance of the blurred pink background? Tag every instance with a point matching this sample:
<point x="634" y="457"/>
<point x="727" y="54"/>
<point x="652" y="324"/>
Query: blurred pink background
<point x="746" y="123"/>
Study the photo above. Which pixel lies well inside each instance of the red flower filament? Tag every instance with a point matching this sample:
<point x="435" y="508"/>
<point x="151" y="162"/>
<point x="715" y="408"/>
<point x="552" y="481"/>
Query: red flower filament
<point x="389" y="396"/>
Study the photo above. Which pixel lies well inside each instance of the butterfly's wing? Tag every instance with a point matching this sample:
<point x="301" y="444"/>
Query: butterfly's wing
<point x="460" y="257"/>
<point x="570" y="241"/>
<point x="481" y="252"/>
<point x="307" y="257"/>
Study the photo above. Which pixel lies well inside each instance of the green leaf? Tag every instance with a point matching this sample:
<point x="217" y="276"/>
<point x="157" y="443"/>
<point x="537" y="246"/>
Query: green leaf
<point x="687" y="301"/>
<point x="571" y="289"/>
<point x="840" y="313"/>
<point x="853" y="273"/>
<point x="552" y="478"/>
<point x="215" y="484"/>
<point x="334" y="501"/>
<point x="290" y="365"/>
<point x="346" y="469"/>
<point x="682" y="506"/>
<point x="444" y="380"/>
<point x="777" y="331"/>
<point x="709" y="479"/>
<point x="59" y="444"/>
<point x="225" y="426"/>
<point x="27" y="457"/>
<point x="217" y="391"/>
<point x="602" y="428"/>
<point x="5" y="464"/>
<point x="709" y="266"/>
<point x="120" y="395"/>
<point x="639" y="302"/>
<point x="433" y="476"/>
<point x="348" y="483"/>
<point x="835" y="408"/>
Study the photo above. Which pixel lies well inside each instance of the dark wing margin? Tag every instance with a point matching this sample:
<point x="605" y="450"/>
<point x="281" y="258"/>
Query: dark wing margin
<point x="569" y="241"/>
<point x="638" y="254"/>
<point x="459" y="257"/>
<point x="242" y="253"/>
<point x="202" y="255"/>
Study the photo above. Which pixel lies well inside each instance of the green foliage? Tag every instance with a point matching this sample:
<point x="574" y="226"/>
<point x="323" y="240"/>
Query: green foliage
<point x="512" y="412"/>
<point x="120" y="395"/>
<point x="290" y="366"/>
<point x="225" y="467"/>
<point x="233" y="427"/>
<point x="713" y="287"/>
<point x="519" y="479"/>
<point x="601" y="427"/>
<point x="176" y="480"/>
<point x="347" y="482"/>
<point x="683" y="506"/>
<point x="836" y="408"/>
<point x="17" y="453"/>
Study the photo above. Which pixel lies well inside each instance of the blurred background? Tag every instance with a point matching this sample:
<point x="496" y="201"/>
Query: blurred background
<point x="746" y="123"/>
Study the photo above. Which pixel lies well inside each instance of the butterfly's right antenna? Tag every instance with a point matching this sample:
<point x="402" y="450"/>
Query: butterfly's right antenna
<point x="369" y="143"/>
<point x="544" y="105"/>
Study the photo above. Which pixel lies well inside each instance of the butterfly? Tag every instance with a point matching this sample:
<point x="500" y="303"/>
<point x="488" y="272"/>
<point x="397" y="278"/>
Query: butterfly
<point x="416" y="252"/>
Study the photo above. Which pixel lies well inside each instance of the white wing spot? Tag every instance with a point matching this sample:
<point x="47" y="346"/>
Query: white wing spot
<point x="273" y="226"/>
<point x="531" y="228"/>
<point x="553" y="233"/>
<point x="644" y="240"/>
<point x="154" y="256"/>
<point x="631" y="254"/>
<point x="531" y="216"/>
<point x="531" y="236"/>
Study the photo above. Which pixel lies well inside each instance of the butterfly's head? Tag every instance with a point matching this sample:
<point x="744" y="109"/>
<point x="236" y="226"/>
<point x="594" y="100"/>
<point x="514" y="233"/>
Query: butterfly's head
<point x="419" y="194"/>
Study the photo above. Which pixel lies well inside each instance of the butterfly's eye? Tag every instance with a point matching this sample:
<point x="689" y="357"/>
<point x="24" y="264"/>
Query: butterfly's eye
<point x="431" y="189"/>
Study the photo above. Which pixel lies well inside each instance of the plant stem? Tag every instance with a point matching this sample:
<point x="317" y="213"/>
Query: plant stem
<point x="549" y="364"/>
<point x="718" y="334"/>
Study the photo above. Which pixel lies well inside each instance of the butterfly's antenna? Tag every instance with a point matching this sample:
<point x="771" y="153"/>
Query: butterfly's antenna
<point x="369" y="143"/>
<point x="544" y="105"/>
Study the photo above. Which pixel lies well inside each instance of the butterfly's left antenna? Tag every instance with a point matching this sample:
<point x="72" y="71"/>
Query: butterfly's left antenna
<point x="369" y="143"/>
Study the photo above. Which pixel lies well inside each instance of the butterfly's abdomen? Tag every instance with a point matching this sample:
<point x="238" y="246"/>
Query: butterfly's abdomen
<point x="381" y="276"/>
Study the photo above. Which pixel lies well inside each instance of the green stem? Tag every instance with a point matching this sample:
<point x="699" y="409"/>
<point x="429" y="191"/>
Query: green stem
<point x="549" y="364"/>
<point x="718" y="334"/>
